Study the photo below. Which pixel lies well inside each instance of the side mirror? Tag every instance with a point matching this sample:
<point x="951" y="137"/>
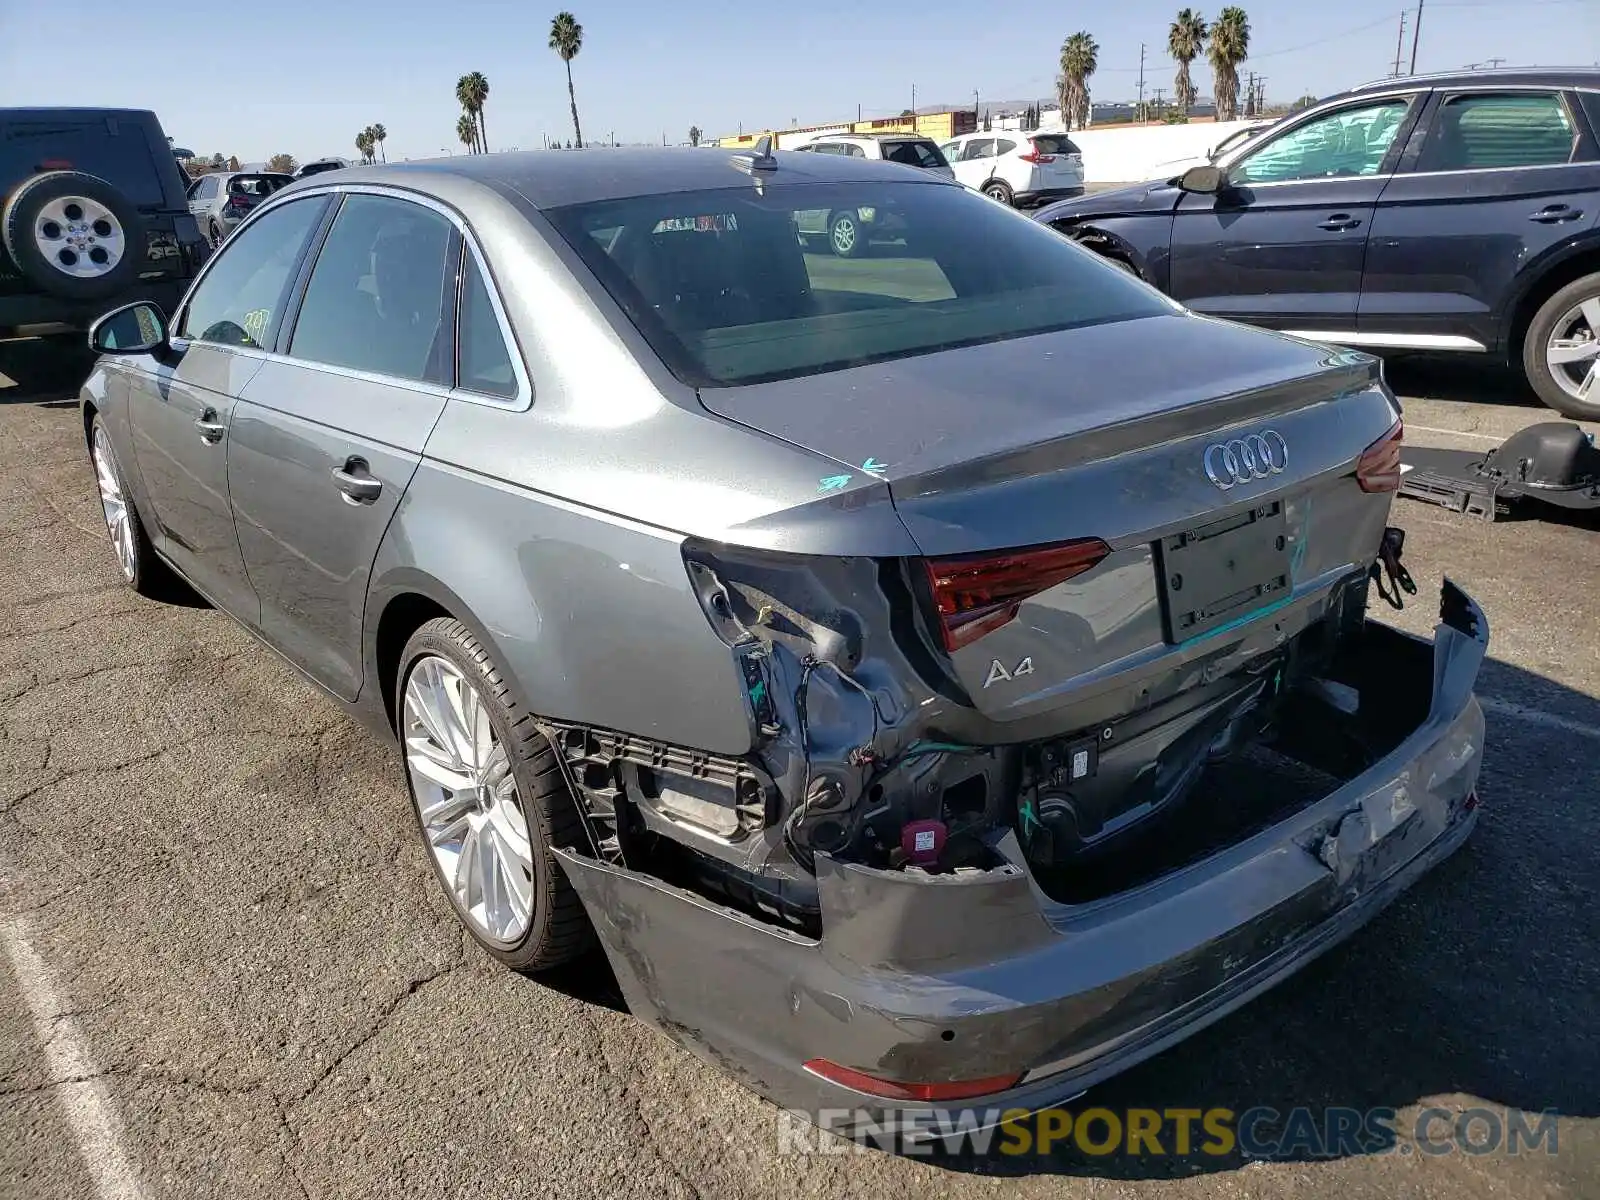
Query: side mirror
<point x="1204" y="181"/>
<point x="132" y="329"/>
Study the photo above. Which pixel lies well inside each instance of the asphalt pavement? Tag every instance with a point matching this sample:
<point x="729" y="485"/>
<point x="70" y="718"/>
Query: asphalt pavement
<point x="226" y="970"/>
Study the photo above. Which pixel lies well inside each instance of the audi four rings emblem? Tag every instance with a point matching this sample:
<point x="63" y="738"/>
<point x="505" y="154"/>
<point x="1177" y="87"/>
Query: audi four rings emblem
<point x="1246" y="458"/>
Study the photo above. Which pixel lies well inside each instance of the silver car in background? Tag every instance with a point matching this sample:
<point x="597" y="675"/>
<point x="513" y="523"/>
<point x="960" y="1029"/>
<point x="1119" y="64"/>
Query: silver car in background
<point x="939" y="677"/>
<point x="221" y="200"/>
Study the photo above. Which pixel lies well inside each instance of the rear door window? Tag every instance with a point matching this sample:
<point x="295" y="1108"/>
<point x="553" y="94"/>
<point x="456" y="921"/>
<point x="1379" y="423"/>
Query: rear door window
<point x="377" y="296"/>
<point x="978" y="148"/>
<point x="1482" y="132"/>
<point x="112" y="149"/>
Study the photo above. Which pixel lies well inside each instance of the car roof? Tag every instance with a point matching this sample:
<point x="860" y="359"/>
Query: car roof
<point x="872" y="137"/>
<point x="77" y="112"/>
<point x="1588" y="77"/>
<point x="552" y="179"/>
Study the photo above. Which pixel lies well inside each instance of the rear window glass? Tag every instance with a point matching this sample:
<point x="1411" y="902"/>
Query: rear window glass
<point x="914" y="154"/>
<point x="260" y="186"/>
<point x="1053" y="143"/>
<point x="121" y="158"/>
<point x="737" y="286"/>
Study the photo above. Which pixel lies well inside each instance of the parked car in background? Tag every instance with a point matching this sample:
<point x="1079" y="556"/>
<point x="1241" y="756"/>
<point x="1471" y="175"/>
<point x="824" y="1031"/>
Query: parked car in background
<point x="1020" y="169"/>
<point x="221" y="200"/>
<point x="318" y="166"/>
<point x="92" y="216"/>
<point x="1455" y="213"/>
<point x="851" y="232"/>
<point x="943" y="678"/>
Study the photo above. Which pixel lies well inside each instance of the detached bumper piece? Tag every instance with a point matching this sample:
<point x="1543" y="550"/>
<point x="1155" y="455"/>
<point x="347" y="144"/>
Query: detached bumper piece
<point x="1554" y="462"/>
<point x="925" y="990"/>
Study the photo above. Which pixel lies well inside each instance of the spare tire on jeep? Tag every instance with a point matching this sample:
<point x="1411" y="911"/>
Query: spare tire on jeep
<point x="73" y="235"/>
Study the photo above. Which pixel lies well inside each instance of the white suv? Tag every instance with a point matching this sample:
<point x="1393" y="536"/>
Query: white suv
<point x="1017" y="168"/>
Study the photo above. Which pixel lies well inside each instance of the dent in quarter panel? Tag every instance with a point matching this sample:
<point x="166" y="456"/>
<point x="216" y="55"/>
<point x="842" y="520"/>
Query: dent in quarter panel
<point x="593" y="615"/>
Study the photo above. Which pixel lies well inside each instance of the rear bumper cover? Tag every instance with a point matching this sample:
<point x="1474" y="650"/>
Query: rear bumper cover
<point x="930" y="979"/>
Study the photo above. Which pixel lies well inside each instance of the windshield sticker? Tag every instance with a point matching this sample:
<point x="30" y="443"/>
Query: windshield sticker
<point x="712" y="223"/>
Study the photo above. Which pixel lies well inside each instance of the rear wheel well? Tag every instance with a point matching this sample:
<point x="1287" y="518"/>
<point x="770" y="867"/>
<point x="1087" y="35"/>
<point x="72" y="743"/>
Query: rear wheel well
<point x="89" y="414"/>
<point x="1548" y="285"/>
<point x="403" y="616"/>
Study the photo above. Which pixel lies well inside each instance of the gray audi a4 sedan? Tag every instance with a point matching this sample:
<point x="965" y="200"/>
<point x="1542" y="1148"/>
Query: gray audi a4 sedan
<point x="938" y="676"/>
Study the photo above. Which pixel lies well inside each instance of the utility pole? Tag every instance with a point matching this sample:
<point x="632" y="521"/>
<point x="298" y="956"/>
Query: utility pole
<point x="1141" y="83"/>
<point x="1494" y="63"/>
<point x="1416" y="36"/>
<point x="1399" y="43"/>
<point x="1158" y="91"/>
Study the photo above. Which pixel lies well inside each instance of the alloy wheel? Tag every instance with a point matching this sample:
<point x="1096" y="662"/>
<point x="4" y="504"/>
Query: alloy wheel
<point x="844" y="235"/>
<point x="1572" y="352"/>
<point x="471" y="814"/>
<point x="79" y="237"/>
<point x="114" y="503"/>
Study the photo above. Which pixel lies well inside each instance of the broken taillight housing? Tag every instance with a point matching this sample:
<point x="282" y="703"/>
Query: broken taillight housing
<point x="1378" y="468"/>
<point x="976" y="594"/>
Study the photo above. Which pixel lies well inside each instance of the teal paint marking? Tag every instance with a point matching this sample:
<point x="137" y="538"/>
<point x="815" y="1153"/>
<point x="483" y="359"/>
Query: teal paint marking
<point x="832" y="483"/>
<point x="872" y="466"/>
<point x="1298" y="558"/>
<point x="1244" y="620"/>
<point x="758" y="694"/>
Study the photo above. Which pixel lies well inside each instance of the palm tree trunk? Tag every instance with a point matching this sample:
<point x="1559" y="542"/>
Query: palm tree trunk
<point x="483" y="131"/>
<point x="383" y="152"/>
<point x="572" y="97"/>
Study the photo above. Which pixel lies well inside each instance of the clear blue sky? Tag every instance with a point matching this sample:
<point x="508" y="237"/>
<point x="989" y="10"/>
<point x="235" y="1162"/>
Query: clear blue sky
<point x="300" y="76"/>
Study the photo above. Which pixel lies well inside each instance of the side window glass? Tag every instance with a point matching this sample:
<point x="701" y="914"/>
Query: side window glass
<point x="1004" y="147"/>
<point x="1480" y="132"/>
<point x="376" y="300"/>
<point x="194" y="189"/>
<point x="241" y="297"/>
<point x="483" y="361"/>
<point x="980" y="148"/>
<point x="1350" y="142"/>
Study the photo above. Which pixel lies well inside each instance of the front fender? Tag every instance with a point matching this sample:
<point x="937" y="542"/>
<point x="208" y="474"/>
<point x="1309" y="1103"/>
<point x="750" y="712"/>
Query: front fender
<point x="1142" y="242"/>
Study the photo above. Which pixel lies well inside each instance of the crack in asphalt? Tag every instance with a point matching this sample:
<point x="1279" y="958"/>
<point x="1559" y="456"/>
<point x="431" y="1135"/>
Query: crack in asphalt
<point x="647" y="1139"/>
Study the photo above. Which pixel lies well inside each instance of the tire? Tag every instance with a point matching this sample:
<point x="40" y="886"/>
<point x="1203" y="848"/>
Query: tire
<point x="555" y="928"/>
<point x="998" y="189"/>
<point x="130" y="544"/>
<point x="215" y="234"/>
<point x="1560" y="324"/>
<point x="846" y="237"/>
<point x="73" y="235"/>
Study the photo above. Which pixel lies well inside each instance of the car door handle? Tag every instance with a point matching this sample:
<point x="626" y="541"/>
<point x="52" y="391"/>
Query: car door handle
<point x="1554" y="214"/>
<point x="211" y="429"/>
<point x="355" y="480"/>
<point x="1340" y="222"/>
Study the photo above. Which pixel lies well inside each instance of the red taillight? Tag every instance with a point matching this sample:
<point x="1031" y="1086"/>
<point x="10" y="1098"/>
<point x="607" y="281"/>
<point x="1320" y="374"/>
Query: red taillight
<point x="977" y="593"/>
<point x="1033" y="155"/>
<point x="238" y="201"/>
<point x="894" y="1089"/>
<point x="1378" y="468"/>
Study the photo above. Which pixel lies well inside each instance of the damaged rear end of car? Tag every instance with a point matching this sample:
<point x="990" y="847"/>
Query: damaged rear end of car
<point x="1115" y="751"/>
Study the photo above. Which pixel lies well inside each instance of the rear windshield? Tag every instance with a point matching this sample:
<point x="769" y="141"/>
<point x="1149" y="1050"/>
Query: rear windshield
<point x="915" y="154"/>
<point x="259" y="186"/>
<point x="737" y="285"/>
<point x="115" y="150"/>
<point x="1053" y="143"/>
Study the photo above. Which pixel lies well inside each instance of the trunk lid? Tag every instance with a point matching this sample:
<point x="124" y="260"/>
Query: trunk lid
<point x="1104" y="432"/>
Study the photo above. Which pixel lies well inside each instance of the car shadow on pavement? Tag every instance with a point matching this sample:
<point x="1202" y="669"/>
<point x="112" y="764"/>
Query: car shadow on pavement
<point x="1476" y="988"/>
<point x="48" y="370"/>
<point x="1467" y="378"/>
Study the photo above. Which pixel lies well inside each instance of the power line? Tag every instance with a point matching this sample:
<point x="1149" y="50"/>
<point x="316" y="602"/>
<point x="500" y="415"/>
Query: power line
<point x="1416" y="36"/>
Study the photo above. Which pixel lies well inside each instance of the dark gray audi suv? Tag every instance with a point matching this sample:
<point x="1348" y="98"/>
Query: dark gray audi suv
<point x="936" y="675"/>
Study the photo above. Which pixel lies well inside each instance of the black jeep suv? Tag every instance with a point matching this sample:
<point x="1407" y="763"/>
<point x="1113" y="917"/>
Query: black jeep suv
<point x="1441" y="212"/>
<point x="92" y="216"/>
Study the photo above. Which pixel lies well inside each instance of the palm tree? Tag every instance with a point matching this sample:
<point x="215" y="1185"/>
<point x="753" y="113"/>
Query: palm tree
<point x="1230" y="46"/>
<point x="363" y="146"/>
<point x="473" y="91"/>
<point x="379" y="133"/>
<point x="1080" y="56"/>
<point x="1185" y="40"/>
<point x="694" y="135"/>
<point x="566" y="39"/>
<point x="467" y="131"/>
